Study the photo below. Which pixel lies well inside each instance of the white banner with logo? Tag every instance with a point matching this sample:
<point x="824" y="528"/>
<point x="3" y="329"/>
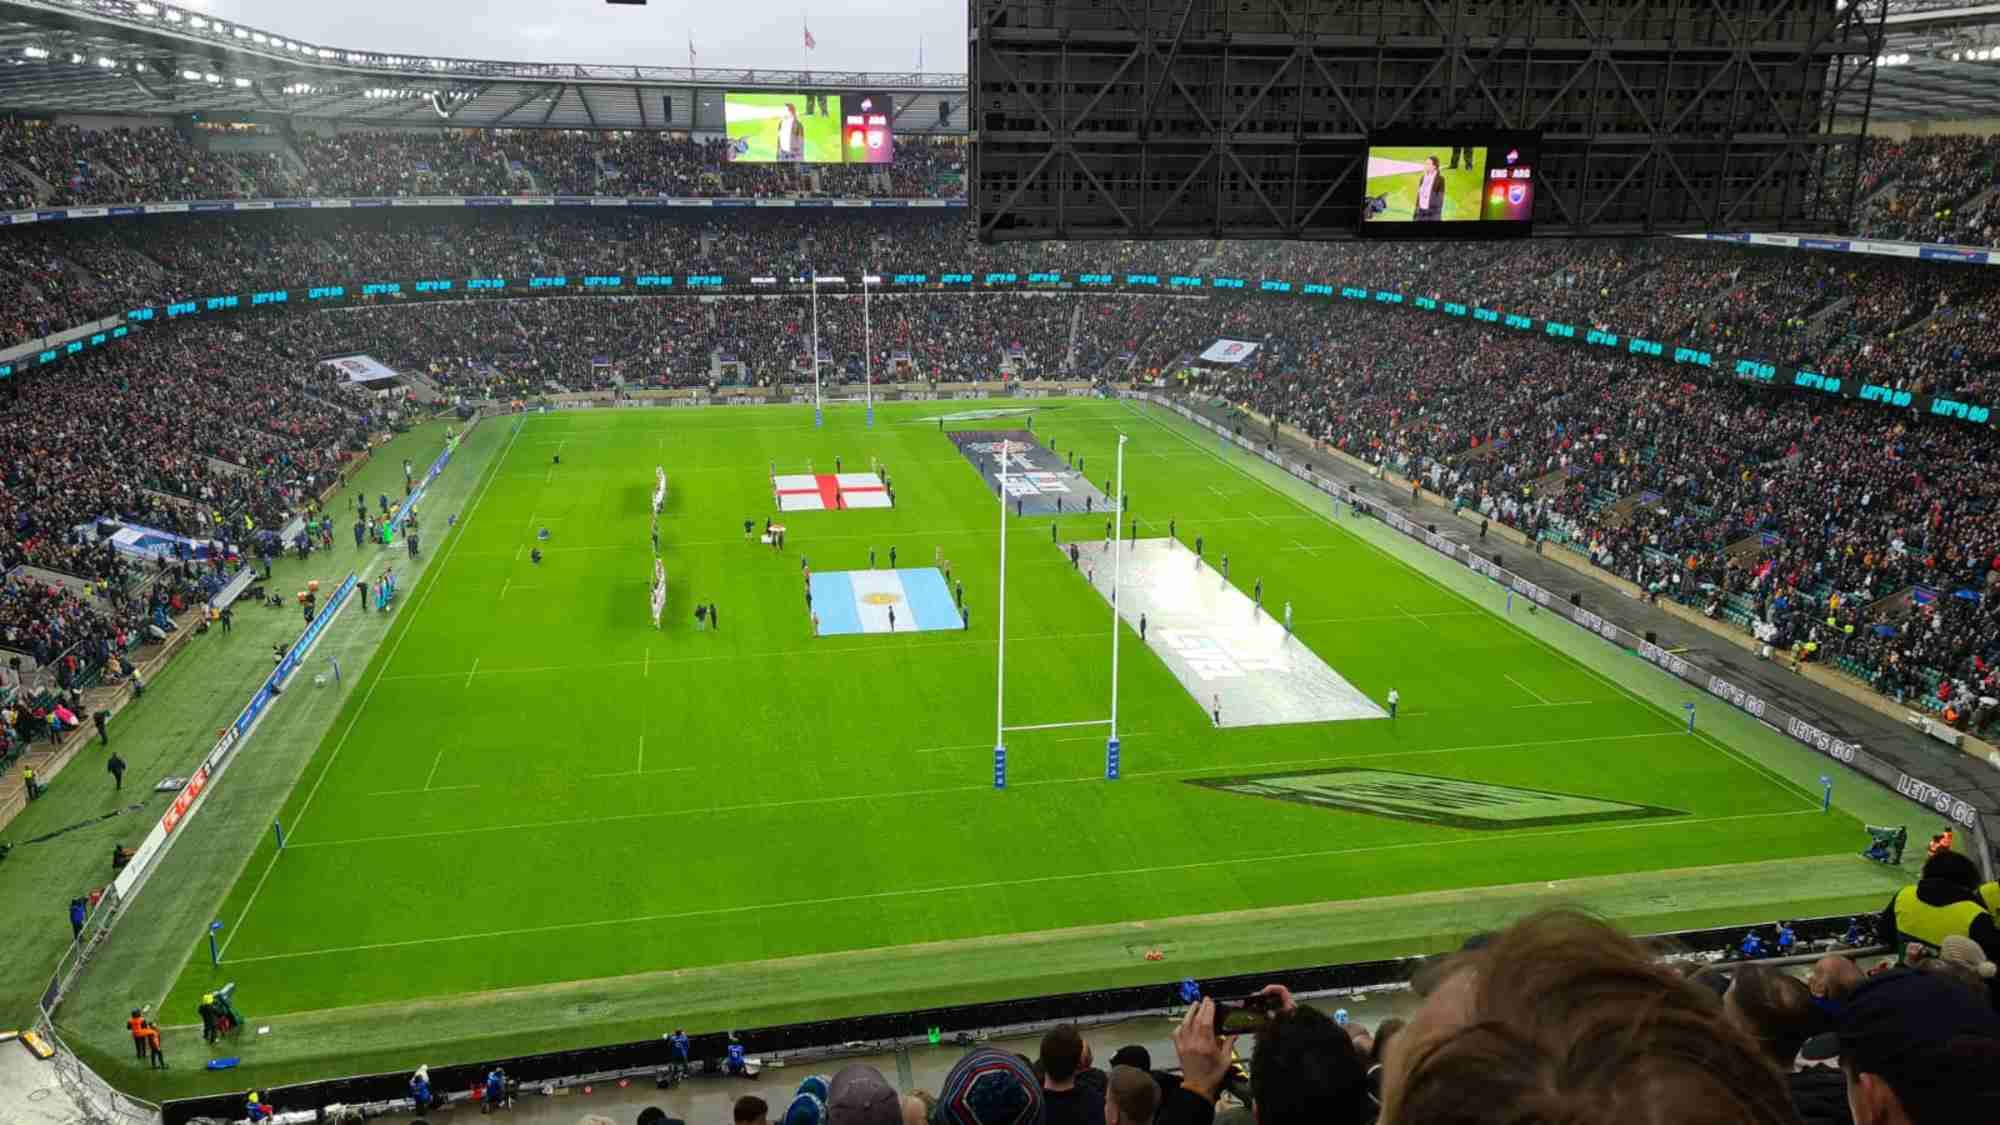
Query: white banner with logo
<point x="1229" y="351"/>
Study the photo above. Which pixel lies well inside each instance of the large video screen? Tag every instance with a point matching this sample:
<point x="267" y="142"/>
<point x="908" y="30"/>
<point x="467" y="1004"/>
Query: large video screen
<point x="809" y="127"/>
<point x="1449" y="185"/>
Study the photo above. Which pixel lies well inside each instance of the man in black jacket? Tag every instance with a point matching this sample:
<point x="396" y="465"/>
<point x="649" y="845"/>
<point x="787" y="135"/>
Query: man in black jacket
<point x="1072" y="1089"/>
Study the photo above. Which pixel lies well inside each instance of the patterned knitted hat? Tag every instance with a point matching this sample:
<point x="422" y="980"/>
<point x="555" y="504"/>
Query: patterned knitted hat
<point x="989" y="1087"/>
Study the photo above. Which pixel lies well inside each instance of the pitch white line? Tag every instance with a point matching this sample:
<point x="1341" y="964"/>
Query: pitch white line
<point x="426" y="789"/>
<point x="753" y="806"/>
<point x="1036" y="880"/>
<point x="636" y="773"/>
<point x="432" y="776"/>
<point x="504" y="587"/>
<point x="820" y="650"/>
<point x="1532" y="693"/>
<point x="642" y="753"/>
<point x="1404" y="616"/>
<point x="474" y="672"/>
<point x="406" y="621"/>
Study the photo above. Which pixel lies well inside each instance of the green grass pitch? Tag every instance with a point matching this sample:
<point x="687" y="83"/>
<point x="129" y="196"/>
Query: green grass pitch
<point x="531" y="785"/>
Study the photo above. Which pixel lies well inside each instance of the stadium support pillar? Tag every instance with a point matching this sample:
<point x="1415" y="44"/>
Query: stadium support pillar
<point x="1000" y="663"/>
<point x="1117" y="577"/>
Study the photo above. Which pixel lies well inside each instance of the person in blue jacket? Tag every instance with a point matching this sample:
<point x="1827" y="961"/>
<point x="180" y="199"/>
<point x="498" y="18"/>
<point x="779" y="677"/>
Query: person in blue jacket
<point x="421" y="1098"/>
<point x="77" y="911"/>
<point x="496" y="1090"/>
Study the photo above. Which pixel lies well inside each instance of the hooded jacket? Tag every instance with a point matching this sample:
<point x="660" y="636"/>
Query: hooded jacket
<point x="1933" y="909"/>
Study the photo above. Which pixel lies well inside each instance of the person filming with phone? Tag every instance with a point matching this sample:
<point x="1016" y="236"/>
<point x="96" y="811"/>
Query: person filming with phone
<point x="1304" y="1069"/>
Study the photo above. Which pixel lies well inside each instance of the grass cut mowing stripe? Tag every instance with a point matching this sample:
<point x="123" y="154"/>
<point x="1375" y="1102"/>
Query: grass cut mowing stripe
<point x="537" y="787"/>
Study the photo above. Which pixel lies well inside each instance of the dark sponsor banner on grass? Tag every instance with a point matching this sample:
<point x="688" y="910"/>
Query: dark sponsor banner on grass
<point x="1449" y="801"/>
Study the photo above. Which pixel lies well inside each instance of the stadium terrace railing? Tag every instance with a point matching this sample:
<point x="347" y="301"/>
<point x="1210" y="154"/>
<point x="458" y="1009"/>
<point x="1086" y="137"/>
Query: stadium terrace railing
<point x="1852" y="757"/>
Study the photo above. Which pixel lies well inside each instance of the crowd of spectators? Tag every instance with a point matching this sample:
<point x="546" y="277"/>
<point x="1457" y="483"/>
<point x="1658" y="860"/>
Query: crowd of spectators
<point x="1819" y="517"/>
<point x="1914" y="325"/>
<point x="47" y="164"/>
<point x="207" y="433"/>
<point x="83" y="166"/>
<point x="1931" y="189"/>
<point x="1926" y="189"/>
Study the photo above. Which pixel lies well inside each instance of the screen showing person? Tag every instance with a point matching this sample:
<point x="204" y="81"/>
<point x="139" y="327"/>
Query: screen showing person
<point x="1425" y="183"/>
<point x="802" y="128"/>
<point x="865" y="128"/>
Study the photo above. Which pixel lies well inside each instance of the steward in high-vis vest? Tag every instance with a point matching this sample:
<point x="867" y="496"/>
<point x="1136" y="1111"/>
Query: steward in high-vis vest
<point x="1945" y="901"/>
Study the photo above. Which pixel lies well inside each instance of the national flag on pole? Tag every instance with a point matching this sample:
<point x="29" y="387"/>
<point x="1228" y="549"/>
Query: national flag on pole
<point x="810" y="44"/>
<point x="690" y="50"/>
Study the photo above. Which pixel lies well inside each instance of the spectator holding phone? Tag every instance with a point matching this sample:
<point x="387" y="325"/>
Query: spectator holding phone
<point x="1304" y="1069"/>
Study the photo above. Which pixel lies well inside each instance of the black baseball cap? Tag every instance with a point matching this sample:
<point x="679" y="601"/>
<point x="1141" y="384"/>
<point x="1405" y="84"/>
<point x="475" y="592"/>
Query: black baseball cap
<point x="1934" y="1041"/>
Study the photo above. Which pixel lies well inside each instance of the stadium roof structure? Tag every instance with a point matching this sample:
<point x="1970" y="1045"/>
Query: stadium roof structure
<point x="142" y="57"/>
<point x="1941" y="60"/>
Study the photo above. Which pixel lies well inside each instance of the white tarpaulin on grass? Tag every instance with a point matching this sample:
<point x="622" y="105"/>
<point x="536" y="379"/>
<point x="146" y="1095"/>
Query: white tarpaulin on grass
<point x="1231" y="655"/>
<point x="1229" y="351"/>
<point x="360" y="368"/>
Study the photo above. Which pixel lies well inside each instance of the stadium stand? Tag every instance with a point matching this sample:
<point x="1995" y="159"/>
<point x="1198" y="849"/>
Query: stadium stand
<point x="46" y="164"/>
<point x="1916" y="325"/>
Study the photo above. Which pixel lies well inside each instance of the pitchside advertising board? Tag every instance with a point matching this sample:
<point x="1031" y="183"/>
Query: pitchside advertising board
<point x="189" y="798"/>
<point x="1848" y="754"/>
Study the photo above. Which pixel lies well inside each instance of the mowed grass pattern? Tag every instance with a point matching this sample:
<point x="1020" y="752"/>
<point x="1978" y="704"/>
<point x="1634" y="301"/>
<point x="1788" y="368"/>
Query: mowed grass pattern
<point x="535" y="786"/>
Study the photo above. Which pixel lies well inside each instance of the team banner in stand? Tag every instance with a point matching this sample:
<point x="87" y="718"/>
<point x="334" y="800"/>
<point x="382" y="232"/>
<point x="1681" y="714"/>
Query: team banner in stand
<point x="1850" y="755"/>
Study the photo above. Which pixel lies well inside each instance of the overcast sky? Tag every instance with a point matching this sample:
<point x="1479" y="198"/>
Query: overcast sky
<point x="851" y="34"/>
